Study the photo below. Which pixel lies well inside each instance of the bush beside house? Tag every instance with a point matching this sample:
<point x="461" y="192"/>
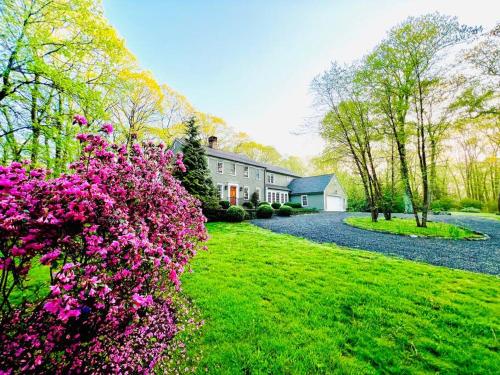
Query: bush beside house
<point x="264" y="211"/>
<point x="235" y="214"/>
<point x="285" y="210"/>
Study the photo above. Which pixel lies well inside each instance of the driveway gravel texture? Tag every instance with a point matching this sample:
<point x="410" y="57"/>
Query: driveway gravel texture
<point x="328" y="227"/>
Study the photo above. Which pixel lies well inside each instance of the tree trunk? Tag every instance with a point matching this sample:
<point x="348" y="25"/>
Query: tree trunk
<point x="35" y="145"/>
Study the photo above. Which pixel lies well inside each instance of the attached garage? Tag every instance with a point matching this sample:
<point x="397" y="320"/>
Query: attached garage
<point x="321" y="192"/>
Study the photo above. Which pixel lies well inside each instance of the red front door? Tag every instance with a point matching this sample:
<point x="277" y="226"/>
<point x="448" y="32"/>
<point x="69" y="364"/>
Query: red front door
<point x="232" y="195"/>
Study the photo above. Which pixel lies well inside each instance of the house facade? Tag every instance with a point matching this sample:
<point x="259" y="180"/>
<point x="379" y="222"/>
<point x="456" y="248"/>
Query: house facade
<point x="237" y="177"/>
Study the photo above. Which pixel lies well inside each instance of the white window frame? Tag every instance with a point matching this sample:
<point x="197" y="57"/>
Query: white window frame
<point x="286" y="197"/>
<point x="270" y="178"/>
<point x="246" y="171"/>
<point x="221" y="169"/>
<point x="302" y="200"/>
<point x="269" y="196"/>
<point x="246" y="193"/>
<point x="257" y="190"/>
<point x="233" y="167"/>
<point x="220" y="191"/>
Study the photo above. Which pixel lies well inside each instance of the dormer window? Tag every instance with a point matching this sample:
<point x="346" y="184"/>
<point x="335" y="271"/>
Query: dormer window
<point x="270" y="178"/>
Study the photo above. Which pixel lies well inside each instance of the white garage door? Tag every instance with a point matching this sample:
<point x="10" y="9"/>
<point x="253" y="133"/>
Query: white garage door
<point x="334" y="203"/>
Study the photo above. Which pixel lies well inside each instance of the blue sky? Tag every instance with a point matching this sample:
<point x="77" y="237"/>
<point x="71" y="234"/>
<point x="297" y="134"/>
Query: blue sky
<point x="251" y="61"/>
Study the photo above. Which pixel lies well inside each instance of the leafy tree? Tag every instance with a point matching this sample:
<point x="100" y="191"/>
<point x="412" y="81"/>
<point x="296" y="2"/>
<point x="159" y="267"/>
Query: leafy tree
<point x="196" y="179"/>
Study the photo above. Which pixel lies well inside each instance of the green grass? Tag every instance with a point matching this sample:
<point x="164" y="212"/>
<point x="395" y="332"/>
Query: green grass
<point x="35" y="286"/>
<point x="408" y="227"/>
<point x="279" y="304"/>
<point x="486" y="215"/>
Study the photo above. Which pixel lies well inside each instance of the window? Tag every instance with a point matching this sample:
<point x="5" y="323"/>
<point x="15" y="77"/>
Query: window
<point x="273" y="197"/>
<point x="257" y="190"/>
<point x="233" y="169"/>
<point x="245" y="172"/>
<point x="282" y="198"/>
<point x="246" y="193"/>
<point x="269" y="196"/>
<point x="220" y="167"/>
<point x="270" y="178"/>
<point x="304" y="200"/>
<point x="220" y="190"/>
<point x="286" y="197"/>
<point x="257" y="174"/>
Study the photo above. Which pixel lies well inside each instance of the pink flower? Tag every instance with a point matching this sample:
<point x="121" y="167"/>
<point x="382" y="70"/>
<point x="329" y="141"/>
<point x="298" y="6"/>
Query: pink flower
<point x="52" y="306"/>
<point x="50" y="257"/>
<point x="138" y="301"/>
<point x="107" y="128"/>
<point x="80" y="120"/>
<point x="66" y="314"/>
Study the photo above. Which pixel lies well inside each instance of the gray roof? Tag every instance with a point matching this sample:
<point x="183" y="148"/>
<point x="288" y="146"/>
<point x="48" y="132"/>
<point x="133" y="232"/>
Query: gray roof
<point x="314" y="184"/>
<point x="245" y="159"/>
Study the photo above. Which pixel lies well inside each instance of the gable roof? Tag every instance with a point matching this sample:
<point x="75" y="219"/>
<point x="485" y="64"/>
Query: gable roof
<point x="240" y="158"/>
<point x="313" y="184"/>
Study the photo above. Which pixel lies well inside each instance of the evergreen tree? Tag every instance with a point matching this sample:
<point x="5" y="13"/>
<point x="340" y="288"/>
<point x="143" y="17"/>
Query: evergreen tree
<point x="196" y="179"/>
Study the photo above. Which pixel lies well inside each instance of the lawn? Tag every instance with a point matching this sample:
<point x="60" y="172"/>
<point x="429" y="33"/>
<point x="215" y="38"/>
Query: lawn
<point x="278" y="304"/>
<point x="408" y="227"/>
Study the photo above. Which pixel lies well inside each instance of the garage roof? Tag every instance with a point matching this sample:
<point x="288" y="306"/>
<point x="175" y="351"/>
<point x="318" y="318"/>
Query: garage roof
<point x="313" y="184"/>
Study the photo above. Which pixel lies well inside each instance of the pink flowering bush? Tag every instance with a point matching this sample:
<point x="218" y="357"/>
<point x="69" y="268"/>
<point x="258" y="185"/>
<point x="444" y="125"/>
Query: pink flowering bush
<point x="115" y="235"/>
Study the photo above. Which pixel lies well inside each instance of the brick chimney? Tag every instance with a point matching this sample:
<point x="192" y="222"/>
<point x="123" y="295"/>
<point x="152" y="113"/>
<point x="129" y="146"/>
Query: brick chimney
<point x="212" y="141"/>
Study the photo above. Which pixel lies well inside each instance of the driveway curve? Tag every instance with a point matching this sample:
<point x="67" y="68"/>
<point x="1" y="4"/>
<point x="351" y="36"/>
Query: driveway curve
<point x="328" y="227"/>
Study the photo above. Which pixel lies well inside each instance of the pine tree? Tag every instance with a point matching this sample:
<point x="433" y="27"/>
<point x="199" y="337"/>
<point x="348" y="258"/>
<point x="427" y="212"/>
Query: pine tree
<point x="196" y="179"/>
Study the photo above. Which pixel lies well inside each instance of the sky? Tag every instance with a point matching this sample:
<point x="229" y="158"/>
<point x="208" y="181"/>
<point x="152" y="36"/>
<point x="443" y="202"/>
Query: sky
<point x="251" y="61"/>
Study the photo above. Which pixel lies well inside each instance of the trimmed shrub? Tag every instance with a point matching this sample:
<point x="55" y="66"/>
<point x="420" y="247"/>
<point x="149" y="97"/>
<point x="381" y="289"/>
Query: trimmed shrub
<point x="248" y="205"/>
<point x="115" y="252"/>
<point x="276" y="205"/>
<point x="235" y="214"/>
<point x="469" y="202"/>
<point x="285" y="210"/>
<point x="263" y="204"/>
<point x="443" y="204"/>
<point x="299" y="211"/>
<point x="293" y="204"/>
<point x="225" y="204"/>
<point x="470" y="209"/>
<point x="265" y="211"/>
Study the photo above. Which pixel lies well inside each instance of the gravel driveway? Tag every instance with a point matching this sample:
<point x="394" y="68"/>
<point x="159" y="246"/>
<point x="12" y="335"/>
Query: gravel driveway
<point x="477" y="256"/>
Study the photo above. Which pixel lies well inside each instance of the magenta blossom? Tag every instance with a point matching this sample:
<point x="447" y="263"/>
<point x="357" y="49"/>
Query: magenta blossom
<point x="107" y="128"/>
<point x="80" y="120"/>
<point x="114" y="237"/>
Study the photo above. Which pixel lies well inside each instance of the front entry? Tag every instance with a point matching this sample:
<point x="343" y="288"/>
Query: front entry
<point x="232" y="195"/>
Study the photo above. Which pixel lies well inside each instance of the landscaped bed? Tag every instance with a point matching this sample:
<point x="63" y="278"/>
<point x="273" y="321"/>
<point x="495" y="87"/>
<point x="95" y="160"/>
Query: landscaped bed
<point x="408" y="227"/>
<point x="275" y="303"/>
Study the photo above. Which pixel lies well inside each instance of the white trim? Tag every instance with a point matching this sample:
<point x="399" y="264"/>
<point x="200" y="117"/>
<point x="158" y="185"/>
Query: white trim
<point x="248" y="171"/>
<point x="302" y="200"/>
<point x="233" y="174"/>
